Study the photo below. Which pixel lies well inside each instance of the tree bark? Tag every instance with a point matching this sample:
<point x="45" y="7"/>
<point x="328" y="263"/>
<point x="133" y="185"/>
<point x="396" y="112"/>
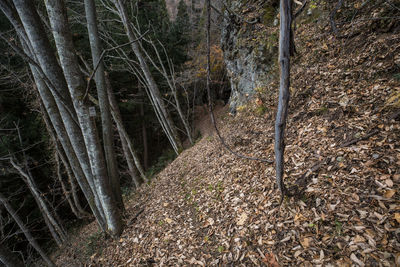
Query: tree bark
<point x="284" y="92"/>
<point x="55" y="96"/>
<point x="108" y="142"/>
<point x="72" y="183"/>
<point x="8" y="258"/>
<point x="76" y="85"/>
<point x="171" y="83"/>
<point x="74" y="202"/>
<point x="122" y="132"/>
<point x="25" y="230"/>
<point x="53" y="225"/>
<point x="144" y="135"/>
<point x="66" y="192"/>
<point x="163" y="114"/>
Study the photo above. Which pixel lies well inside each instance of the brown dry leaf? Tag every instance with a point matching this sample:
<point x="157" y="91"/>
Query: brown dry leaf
<point x="389" y="182"/>
<point x="168" y="220"/>
<point x="397" y="259"/>
<point x="354" y="258"/>
<point x="259" y="102"/>
<point x="389" y="193"/>
<point x="298" y="218"/>
<point x="270" y="260"/>
<point x="358" y="239"/>
<point x="397" y="217"/>
<point x="242" y="219"/>
<point x="305" y="242"/>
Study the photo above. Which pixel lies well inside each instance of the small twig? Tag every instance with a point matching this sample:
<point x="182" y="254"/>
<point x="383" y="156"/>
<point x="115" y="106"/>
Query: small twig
<point x="356" y="140"/>
<point x="48" y="82"/>
<point x="394" y="115"/>
<point x="102" y="56"/>
<point x="392" y="5"/>
<point x="135" y="217"/>
<point x="298" y="12"/>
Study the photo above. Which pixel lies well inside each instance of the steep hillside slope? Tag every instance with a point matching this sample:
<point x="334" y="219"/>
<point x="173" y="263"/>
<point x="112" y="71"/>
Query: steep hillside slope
<point x="210" y="208"/>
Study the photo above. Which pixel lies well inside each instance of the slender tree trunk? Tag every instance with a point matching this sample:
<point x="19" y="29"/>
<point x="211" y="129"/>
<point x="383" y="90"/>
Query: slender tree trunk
<point x="76" y="85"/>
<point x="74" y="203"/>
<point x="122" y="131"/>
<point x="8" y="258"/>
<point x="51" y="228"/>
<point x="41" y="49"/>
<point x="64" y="188"/>
<point x="53" y="225"/>
<point x="171" y="83"/>
<point x="130" y="162"/>
<point x="164" y="116"/>
<point x="108" y="142"/>
<point x="284" y="92"/>
<point x="144" y="135"/>
<point x="72" y="183"/>
<point x="25" y="230"/>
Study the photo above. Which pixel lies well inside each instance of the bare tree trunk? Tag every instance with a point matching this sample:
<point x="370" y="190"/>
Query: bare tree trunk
<point x="96" y="48"/>
<point x="76" y="85"/>
<point x="163" y="115"/>
<point x="51" y="228"/>
<point x="53" y="225"/>
<point x="72" y="183"/>
<point x="66" y="193"/>
<point x="56" y="121"/>
<point x="74" y="202"/>
<point x="144" y="135"/>
<point x="170" y="81"/>
<point x="122" y="131"/>
<point x="284" y="93"/>
<point x="39" y="47"/>
<point x="8" y="258"/>
<point x="25" y="230"/>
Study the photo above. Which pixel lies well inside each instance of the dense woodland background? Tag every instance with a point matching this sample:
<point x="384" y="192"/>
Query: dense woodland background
<point x="98" y="96"/>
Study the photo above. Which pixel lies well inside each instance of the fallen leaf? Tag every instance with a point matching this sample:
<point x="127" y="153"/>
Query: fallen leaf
<point x="389" y="182"/>
<point x="305" y="242"/>
<point x="298" y="218"/>
<point x="242" y="219"/>
<point x="397" y="259"/>
<point x="397" y="217"/>
<point x="389" y="193"/>
<point x="354" y="258"/>
<point x="358" y="239"/>
<point x="270" y="260"/>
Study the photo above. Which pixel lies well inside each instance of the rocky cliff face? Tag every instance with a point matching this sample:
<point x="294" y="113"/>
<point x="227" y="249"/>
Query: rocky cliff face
<point x="250" y="45"/>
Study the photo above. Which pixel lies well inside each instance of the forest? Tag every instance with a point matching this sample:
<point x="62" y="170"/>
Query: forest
<point x="199" y="133"/>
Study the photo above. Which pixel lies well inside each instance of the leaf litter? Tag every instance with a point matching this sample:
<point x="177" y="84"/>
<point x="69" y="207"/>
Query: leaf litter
<point x="208" y="208"/>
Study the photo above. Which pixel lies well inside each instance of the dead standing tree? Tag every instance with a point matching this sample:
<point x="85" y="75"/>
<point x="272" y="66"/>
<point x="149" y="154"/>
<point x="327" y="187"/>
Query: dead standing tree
<point x="285" y="50"/>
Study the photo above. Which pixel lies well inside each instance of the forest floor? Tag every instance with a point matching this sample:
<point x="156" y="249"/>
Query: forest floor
<point x="342" y="159"/>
